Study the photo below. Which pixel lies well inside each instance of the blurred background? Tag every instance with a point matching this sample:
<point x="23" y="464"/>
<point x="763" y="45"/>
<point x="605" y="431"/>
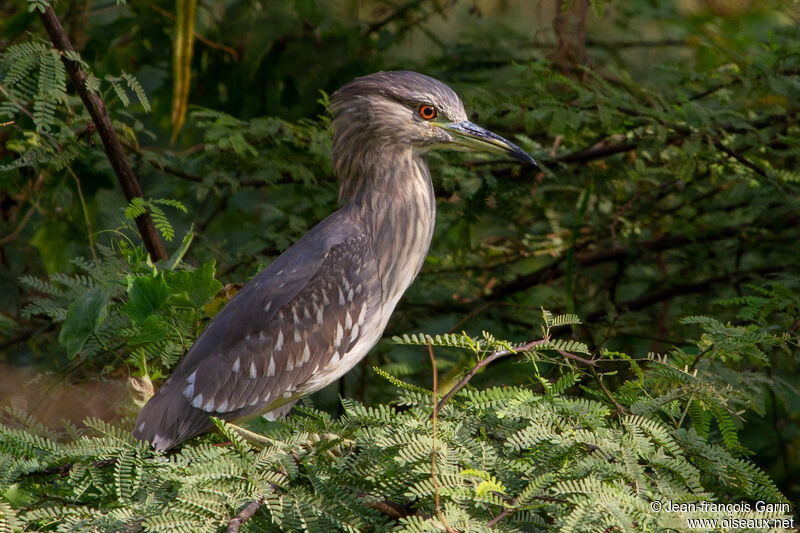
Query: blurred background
<point x="666" y="130"/>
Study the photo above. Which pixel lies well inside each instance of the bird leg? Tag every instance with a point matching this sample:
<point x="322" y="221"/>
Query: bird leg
<point x="260" y="441"/>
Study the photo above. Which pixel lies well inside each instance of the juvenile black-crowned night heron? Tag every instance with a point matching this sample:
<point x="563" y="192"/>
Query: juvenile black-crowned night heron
<point x="316" y="311"/>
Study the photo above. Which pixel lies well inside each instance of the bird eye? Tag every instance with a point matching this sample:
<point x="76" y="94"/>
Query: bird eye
<point x="428" y="112"/>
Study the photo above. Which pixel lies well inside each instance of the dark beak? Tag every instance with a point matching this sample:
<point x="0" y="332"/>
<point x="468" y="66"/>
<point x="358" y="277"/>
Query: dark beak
<point x="468" y="135"/>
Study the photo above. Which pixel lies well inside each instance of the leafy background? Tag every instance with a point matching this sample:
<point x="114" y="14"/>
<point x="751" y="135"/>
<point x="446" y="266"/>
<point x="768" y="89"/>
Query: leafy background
<point x="664" y="212"/>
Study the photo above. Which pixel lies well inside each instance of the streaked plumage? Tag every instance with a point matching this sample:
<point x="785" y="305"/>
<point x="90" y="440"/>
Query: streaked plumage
<point x="316" y="311"/>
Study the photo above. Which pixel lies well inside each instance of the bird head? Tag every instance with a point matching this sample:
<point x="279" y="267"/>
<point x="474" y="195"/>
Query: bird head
<point x="401" y="110"/>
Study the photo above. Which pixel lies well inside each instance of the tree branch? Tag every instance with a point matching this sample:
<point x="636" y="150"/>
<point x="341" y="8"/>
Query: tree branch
<point x="497" y="355"/>
<point x="389" y="508"/>
<point x="63" y="470"/>
<point x="399" y="12"/>
<point x="658" y="43"/>
<point x="395" y="510"/>
<point x="178" y="173"/>
<point x="741" y="159"/>
<point x="596" y="151"/>
<point x="160" y="166"/>
<point x="606" y="255"/>
<point x="504" y="513"/>
<point x="244" y="515"/>
<point x="680" y="289"/>
<point x="111" y="144"/>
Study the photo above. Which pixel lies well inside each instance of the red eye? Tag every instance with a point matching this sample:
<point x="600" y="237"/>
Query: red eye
<point x="428" y="112"/>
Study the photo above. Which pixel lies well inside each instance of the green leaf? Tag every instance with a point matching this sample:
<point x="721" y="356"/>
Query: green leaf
<point x="145" y="296"/>
<point x="83" y="316"/>
<point x="197" y="286"/>
<point x="153" y="329"/>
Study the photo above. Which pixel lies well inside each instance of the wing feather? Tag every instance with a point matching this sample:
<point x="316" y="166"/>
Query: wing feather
<point x="291" y="326"/>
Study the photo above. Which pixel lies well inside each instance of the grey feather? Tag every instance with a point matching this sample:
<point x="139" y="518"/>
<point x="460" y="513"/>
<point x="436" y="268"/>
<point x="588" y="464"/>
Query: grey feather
<point x="244" y="336"/>
<point x="314" y="312"/>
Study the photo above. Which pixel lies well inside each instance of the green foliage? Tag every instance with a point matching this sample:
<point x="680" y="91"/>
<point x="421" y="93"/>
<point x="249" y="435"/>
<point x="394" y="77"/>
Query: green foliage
<point x="122" y="300"/>
<point x="663" y="214"/>
<point x="34" y="71"/>
<point x="138" y="206"/>
<point x="547" y="461"/>
<point x="82" y="318"/>
<point x="146" y="296"/>
<point x="539" y="454"/>
<point x="133" y="84"/>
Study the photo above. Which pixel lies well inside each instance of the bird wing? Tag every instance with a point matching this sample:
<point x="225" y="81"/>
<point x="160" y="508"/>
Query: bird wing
<point x="299" y="320"/>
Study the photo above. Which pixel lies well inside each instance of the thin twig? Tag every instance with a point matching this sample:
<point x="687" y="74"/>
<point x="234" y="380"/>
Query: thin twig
<point x="395" y="510"/>
<point x="607" y="392"/>
<point x="252" y="437"/>
<point x="20" y="106"/>
<point x="244" y="515"/>
<point x="472" y="314"/>
<point x="63" y="470"/>
<point x="85" y="212"/>
<point x="178" y="173"/>
<point x="680" y="289"/>
<point x="22" y="337"/>
<point x="504" y="513"/>
<point x="511" y="509"/>
<point x="658" y="43"/>
<point x="592" y="363"/>
<point x="482" y="363"/>
<point x="597" y="151"/>
<point x="579" y="359"/>
<point x="435" y="480"/>
<point x="159" y="165"/>
<point x="14" y="234"/>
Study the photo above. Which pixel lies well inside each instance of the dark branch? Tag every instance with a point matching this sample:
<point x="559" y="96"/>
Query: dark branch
<point x="597" y="151"/>
<point x="658" y="43"/>
<point x="395" y="510"/>
<point x="396" y="14"/>
<point x="741" y="159"/>
<point x="607" y="255"/>
<point x="680" y="289"/>
<point x="111" y="144"/>
<point x="178" y="173"/>
<point x="162" y="167"/>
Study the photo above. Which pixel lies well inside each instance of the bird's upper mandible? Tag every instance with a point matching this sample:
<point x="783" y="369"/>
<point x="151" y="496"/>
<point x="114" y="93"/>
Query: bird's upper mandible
<point x="316" y="311"/>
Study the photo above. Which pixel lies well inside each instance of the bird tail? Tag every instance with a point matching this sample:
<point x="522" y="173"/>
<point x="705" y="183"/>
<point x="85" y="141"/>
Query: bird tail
<point x="168" y="419"/>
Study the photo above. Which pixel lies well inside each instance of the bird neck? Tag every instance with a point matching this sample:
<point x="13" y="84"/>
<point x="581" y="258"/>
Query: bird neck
<point x="394" y="200"/>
